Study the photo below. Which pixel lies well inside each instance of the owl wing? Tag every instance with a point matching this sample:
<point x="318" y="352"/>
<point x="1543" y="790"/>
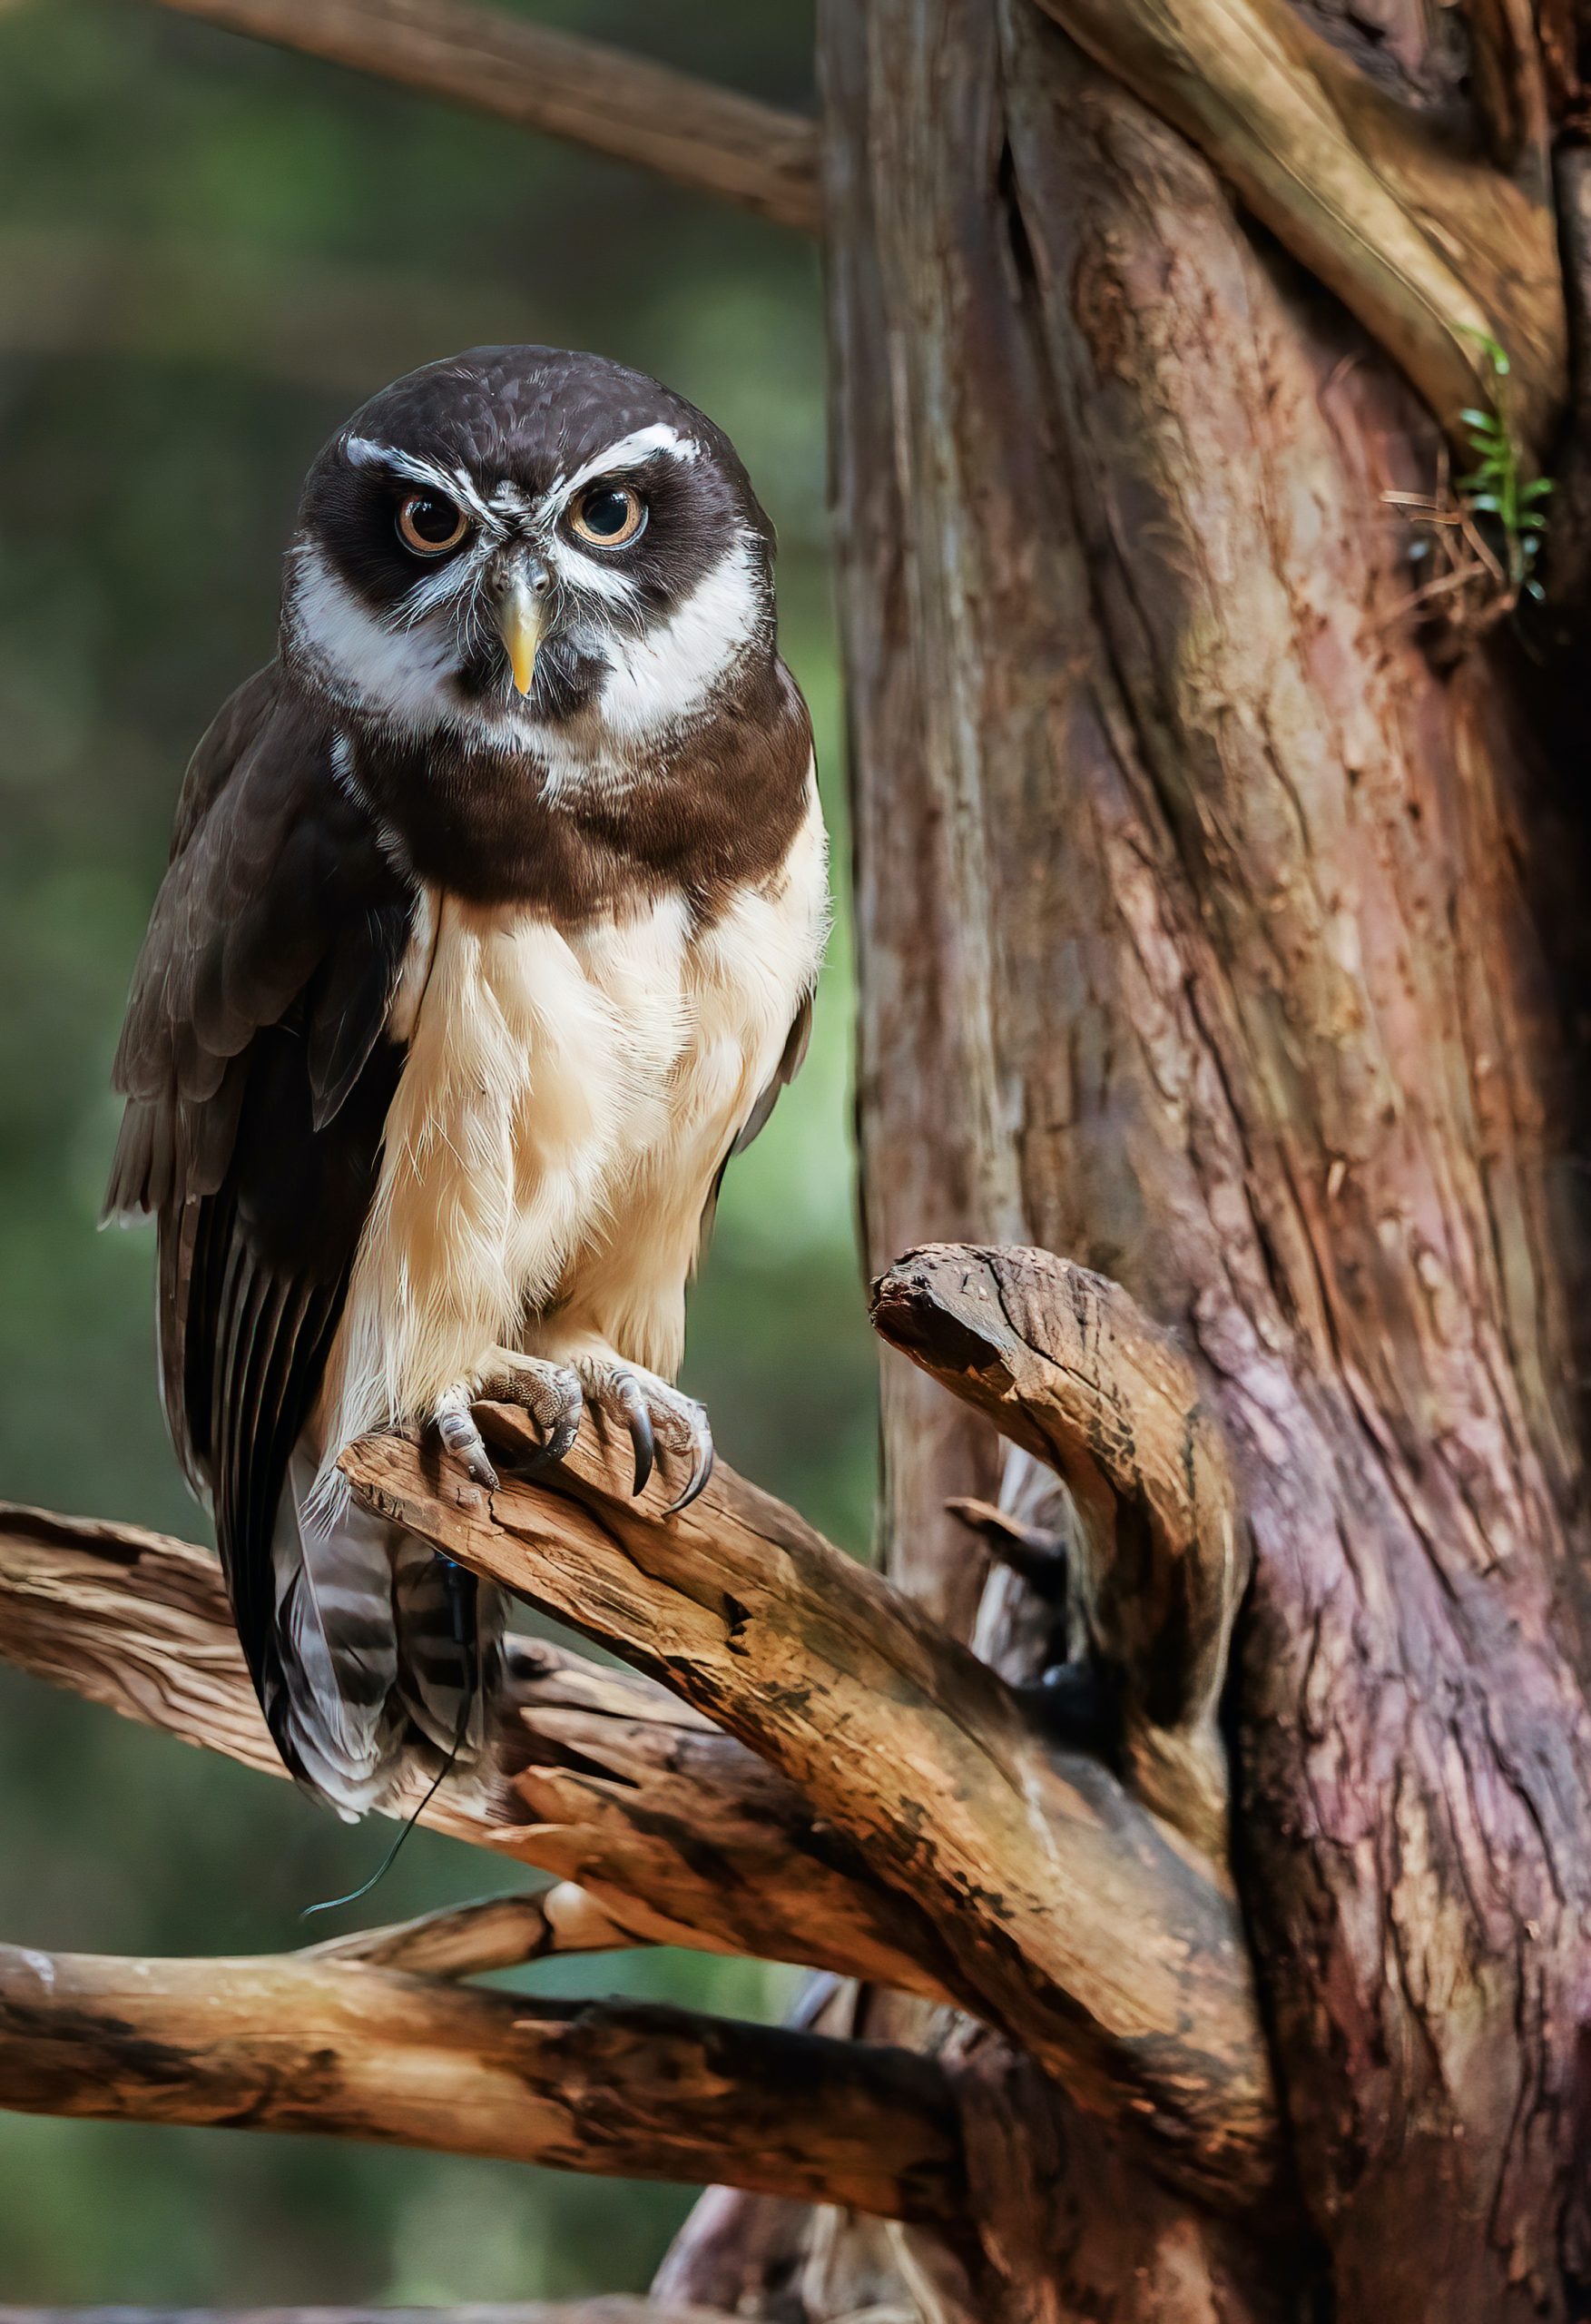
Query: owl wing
<point x="257" y="1083"/>
<point x="791" y="1059"/>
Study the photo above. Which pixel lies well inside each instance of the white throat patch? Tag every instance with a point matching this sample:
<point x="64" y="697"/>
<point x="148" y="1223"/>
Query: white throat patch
<point x="668" y="674"/>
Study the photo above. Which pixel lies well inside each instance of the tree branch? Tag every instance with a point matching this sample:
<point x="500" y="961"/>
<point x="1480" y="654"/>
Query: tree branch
<point x="679" y="1834"/>
<point x="609" y="2308"/>
<point x="302" y="2044"/>
<point x="1430" y="250"/>
<point x="1066" y="1366"/>
<point x="1067" y="1916"/>
<point x="708" y="138"/>
<point x="472" y="1940"/>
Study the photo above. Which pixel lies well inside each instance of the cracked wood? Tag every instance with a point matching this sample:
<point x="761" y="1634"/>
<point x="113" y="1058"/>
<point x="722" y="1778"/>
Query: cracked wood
<point x="307" y="2044"/>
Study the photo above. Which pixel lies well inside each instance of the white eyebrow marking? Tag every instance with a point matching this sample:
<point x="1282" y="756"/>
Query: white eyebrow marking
<point x="365" y="452"/>
<point x="629" y="452"/>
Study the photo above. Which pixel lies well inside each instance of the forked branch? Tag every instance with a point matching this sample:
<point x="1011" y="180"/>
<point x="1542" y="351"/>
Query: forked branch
<point x="668" y="1831"/>
<point x="306" y="2043"/>
<point x="904" y="1818"/>
<point x="706" y="138"/>
<point x="1434" y="252"/>
<point x="1065" y="1914"/>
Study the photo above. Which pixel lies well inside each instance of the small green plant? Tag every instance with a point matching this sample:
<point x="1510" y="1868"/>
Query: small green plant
<point x="1506" y="506"/>
<point x="1476" y="537"/>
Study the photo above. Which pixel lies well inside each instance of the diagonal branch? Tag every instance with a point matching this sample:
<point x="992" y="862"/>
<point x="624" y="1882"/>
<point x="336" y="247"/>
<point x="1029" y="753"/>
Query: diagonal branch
<point x="708" y="138"/>
<point x="1431" y="249"/>
<point x="302" y="2044"/>
<point x="612" y="2308"/>
<point x="675" y="1833"/>
<point x="1069" y="1917"/>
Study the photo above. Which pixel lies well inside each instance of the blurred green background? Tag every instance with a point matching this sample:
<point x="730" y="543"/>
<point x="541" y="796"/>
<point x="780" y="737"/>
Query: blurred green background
<point x="209" y="252"/>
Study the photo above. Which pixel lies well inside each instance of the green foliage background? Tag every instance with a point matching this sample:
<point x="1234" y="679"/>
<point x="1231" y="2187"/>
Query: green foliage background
<point x="209" y="253"/>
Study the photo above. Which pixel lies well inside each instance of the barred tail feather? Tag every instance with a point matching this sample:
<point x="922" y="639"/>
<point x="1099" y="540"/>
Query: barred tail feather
<point x="334" y="1709"/>
<point x="384" y="1650"/>
<point x="449" y="1646"/>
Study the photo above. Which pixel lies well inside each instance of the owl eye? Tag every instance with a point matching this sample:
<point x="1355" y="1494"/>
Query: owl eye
<point x="607" y="515"/>
<point x="431" y="524"/>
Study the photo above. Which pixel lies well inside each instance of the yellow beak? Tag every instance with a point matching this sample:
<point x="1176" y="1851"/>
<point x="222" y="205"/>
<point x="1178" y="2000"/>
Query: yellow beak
<point x="519" y="624"/>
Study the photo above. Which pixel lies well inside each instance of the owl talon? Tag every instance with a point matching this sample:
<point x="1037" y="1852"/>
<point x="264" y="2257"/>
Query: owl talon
<point x="664" y="1426"/>
<point x="549" y="1393"/>
<point x="632" y="1403"/>
<point x="462" y="1440"/>
<point x="700" y="1471"/>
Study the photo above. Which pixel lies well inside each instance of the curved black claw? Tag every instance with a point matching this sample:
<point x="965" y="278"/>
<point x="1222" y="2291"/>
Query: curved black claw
<point x="638" y="1421"/>
<point x="561" y="1440"/>
<point x="700" y="1474"/>
<point x="548" y="1393"/>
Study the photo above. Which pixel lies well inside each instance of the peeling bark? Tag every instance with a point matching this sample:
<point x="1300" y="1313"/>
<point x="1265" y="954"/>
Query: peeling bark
<point x="1241" y="887"/>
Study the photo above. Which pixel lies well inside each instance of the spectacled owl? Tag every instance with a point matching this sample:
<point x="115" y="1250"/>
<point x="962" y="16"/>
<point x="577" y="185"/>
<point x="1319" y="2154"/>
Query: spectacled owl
<point x="489" y="934"/>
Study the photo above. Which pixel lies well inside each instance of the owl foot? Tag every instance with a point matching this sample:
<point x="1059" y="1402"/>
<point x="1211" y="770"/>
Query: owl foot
<point x="549" y="1393"/>
<point x="665" y="1428"/>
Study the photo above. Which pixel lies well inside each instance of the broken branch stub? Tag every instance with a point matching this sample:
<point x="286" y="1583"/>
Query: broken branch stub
<point x="1067" y="1366"/>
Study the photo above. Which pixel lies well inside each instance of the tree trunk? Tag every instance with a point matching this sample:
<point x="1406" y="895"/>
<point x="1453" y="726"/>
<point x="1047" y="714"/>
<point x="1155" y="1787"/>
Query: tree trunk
<point x="1198" y="908"/>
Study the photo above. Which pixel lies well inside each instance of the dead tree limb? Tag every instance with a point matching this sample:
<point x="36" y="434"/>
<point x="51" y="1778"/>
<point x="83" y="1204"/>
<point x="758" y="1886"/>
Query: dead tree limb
<point x="612" y="2309"/>
<point x="708" y="138"/>
<point x="1069" y="1917"/>
<point x="303" y="2044"/>
<point x="678" y="1834"/>
<point x="1069" y="1367"/>
<point x="498" y="1933"/>
<point x="1434" y="252"/>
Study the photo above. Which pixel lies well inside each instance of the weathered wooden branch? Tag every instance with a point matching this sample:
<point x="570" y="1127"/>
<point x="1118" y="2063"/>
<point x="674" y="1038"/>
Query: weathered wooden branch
<point x="1066" y="1366"/>
<point x="904" y="1813"/>
<point x="496" y="1933"/>
<point x="1432" y="250"/>
<point x="303" y="2044"/>
<point x="609" y="2309"/>
<point x="708" y="138"/>
<point x="1067" y="1916"/>
<point x="675" y="1833"/>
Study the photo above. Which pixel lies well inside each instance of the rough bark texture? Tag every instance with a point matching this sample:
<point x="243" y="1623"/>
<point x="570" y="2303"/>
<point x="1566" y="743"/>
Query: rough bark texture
<point x="309" y="2043"/>
<point x="1243" y="1006"/>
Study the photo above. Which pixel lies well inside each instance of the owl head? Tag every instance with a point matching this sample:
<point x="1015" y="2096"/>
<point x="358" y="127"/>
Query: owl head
<point x="522" y="546"/>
